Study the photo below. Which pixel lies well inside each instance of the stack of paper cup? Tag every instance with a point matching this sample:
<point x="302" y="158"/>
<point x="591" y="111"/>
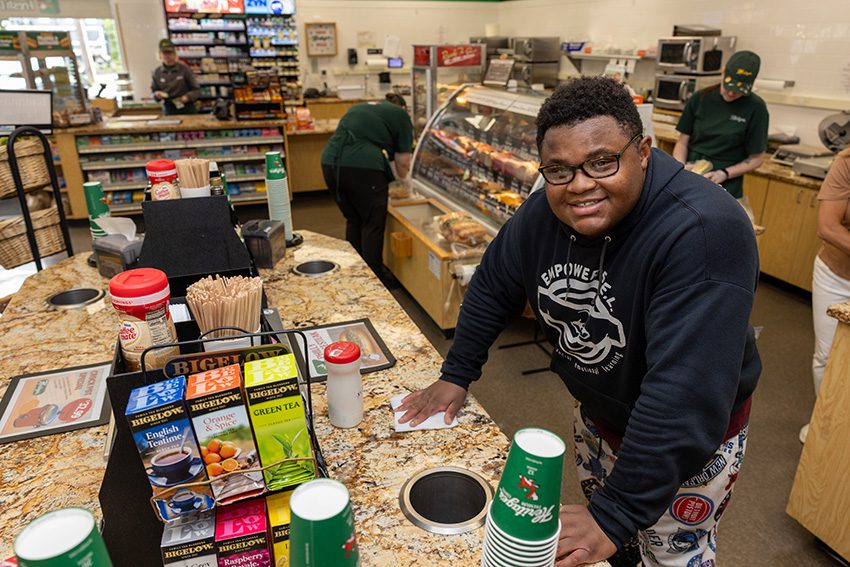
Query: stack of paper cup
<point x="321" y="529"/>
<point x="522" y="523"/>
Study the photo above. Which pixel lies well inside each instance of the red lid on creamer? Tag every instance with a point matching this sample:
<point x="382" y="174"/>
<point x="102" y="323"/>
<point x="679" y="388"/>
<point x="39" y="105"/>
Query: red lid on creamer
<point x="138" y="283"/>
<point x="342" y="352"/>
<point x="161" y="165"/>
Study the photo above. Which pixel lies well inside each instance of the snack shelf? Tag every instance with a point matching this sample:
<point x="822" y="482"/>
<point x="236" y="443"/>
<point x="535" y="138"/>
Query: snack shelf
<point x="180" y="144"/>
<point x="125" y="186"/>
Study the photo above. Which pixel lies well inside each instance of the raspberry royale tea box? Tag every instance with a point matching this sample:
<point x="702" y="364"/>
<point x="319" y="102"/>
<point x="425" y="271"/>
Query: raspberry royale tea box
<point x="220" y="418"/>
<point x="240" y="534"/>
<point x="190" y="541"/>
<point x="277" y="417"/>
<point x="170" y="455"/>
<point x="279" y="518"/>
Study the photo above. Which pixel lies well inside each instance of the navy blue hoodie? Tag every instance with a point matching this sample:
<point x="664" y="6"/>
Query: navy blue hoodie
<point x="658" y="349"/>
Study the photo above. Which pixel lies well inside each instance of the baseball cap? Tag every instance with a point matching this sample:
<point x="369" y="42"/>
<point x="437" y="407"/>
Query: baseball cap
<point x="741" y="72"/>
<point x="166" y="45"/>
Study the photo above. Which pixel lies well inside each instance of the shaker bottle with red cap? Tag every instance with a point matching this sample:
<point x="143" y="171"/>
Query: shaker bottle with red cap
<point x="345" y="388"/>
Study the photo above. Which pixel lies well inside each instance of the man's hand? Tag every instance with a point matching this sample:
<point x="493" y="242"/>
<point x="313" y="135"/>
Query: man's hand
<point x="184" y="99"/>
<point x="690" y="166"/>
<point x="581" y="540"/>
<point x="439" y="396"/>
<point x="160" y="95"/>
<point x="717" y="176"/>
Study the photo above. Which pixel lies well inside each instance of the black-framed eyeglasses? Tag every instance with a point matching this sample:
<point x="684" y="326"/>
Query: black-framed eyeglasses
<point x="597" y="168"/>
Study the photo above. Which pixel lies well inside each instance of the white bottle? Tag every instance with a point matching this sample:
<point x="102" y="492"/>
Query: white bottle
<point x="345" y="388"/>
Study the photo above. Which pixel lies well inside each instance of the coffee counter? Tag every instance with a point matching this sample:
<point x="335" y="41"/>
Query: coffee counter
<point x="371" y="460"/>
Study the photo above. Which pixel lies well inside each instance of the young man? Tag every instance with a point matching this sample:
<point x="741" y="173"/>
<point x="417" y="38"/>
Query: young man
<point x="642" y="276"/>
<point x="173" y="82"/>
<point x="727" y="125"/>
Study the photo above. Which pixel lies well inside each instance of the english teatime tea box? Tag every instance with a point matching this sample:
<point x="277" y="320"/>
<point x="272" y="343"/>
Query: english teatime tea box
<point x="190" y="541"/>
<point x="220" y="418"/>
<point x="277" y="417"/>
<point x="279" y="518"/>
<point x="170" y="455"/>
<point x="240" y="534"/>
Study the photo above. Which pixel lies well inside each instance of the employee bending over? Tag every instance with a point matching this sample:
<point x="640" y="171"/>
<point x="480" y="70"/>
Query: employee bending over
<point x="642" y="275"/>
<point x="356" y="167"/>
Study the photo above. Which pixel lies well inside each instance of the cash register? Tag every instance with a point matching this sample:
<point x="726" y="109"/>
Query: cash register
<point x="834" y="133"/>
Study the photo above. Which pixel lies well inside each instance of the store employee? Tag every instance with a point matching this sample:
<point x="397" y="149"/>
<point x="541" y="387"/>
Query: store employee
<point x="174" y="83"/>
<point x="726" y="124"/>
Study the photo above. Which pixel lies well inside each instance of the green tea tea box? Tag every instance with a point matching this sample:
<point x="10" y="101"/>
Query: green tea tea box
<point x="217" y="407"/>
<point x="190" y="541"/>
<point x="276" y="411"/>
<point x="162" y="432"/>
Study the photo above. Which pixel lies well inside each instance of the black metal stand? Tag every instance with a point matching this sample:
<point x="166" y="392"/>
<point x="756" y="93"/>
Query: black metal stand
<point x="22" y="197"/>
<point x="537" y="341"/>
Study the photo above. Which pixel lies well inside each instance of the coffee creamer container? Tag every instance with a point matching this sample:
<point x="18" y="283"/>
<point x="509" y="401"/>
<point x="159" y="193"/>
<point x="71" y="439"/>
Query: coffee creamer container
<point x="141" y="297"/>
<point x="170" y="455"/>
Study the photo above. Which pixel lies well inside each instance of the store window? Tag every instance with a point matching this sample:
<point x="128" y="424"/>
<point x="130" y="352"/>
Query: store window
<point x="94" y="42"/>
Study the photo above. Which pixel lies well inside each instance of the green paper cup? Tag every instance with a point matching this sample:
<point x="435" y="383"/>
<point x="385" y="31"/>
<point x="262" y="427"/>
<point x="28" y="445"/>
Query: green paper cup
<point x="322" y="526"/>
<point x="529" y="493"/>
<point x="63" y="538"/>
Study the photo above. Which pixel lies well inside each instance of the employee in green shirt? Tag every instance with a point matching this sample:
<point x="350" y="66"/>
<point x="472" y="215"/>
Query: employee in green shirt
<point x="356" y="166"/>
<point x="726" y="124"/>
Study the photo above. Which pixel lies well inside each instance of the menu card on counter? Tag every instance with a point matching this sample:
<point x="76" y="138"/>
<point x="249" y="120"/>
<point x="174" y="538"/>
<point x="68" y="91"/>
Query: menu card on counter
<point x="374" y="354"/>
<point x="55" y="401"/>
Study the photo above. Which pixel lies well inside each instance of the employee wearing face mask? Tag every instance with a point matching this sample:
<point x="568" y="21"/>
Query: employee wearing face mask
<point x="726" y="124"/>
<point x="174" y="83"/>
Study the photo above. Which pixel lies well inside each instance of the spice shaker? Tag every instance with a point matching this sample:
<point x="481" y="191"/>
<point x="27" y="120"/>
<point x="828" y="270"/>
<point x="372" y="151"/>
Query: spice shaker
<point x="345" y="388"/>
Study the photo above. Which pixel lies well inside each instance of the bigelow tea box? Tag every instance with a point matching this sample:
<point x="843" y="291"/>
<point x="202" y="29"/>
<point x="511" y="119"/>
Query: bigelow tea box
<point x="279" y="518"/>
<point x="190" y="541"/>
<point x="170" y="455"/>
<point x="220" y="418"/>
<point x="240" y="534"/>
<point x="277" y="417"/>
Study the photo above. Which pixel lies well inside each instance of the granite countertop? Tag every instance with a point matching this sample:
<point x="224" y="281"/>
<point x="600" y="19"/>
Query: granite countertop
<point x="840" y="311"/>
<point x="372" y="460"/>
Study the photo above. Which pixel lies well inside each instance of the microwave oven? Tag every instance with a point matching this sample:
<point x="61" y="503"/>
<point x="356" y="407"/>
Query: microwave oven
<point x="531" y="73"/>
<point x="673" y="91"/>
<point x="696" y="55"/>
<point x="534" y="49"/>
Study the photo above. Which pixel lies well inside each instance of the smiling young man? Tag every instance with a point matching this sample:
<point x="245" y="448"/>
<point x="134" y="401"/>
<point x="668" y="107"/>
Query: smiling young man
<point x="642" y="276"/>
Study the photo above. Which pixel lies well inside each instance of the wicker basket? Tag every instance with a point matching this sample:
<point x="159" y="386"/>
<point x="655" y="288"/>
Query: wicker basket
<point x="14" y="246"/>
<point x="31" y="164"/>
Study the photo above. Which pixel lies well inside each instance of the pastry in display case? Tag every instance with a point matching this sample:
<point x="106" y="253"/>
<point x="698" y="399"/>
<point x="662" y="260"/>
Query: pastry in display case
<point x="479" y="153"/>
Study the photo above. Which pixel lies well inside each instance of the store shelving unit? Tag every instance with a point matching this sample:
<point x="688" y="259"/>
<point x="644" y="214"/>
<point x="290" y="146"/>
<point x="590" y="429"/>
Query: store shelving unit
<point x="222" y="49"/>
<point x="118" y="160"/>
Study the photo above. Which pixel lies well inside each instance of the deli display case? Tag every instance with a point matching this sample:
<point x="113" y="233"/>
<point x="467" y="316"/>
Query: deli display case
<point x="474" y="165"/>
<point x="479" y="153"/>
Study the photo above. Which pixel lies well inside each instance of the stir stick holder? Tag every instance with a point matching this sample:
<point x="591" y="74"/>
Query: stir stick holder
<point x="191" y="238"/>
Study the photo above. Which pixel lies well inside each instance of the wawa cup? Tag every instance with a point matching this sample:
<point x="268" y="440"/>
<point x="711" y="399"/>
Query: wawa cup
<point x="63" y="538"/>
<point x="321" y="528"/>
<point x="495" y="540"/>
<point x="496" y="559"/>
<point x="528" y="496"/>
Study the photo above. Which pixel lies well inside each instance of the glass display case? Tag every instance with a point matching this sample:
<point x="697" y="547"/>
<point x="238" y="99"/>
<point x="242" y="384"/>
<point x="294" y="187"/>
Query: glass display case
<point x="438" y="70"/>
<point x="479" y="153"/>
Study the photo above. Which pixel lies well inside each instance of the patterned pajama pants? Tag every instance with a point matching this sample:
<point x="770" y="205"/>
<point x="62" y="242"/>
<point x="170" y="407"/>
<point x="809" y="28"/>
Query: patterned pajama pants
<point x="686" y="535"/>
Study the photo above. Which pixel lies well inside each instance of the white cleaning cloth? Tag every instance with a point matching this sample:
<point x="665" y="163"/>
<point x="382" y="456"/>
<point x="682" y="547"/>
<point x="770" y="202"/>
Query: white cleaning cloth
<point x="436" y="421"/>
